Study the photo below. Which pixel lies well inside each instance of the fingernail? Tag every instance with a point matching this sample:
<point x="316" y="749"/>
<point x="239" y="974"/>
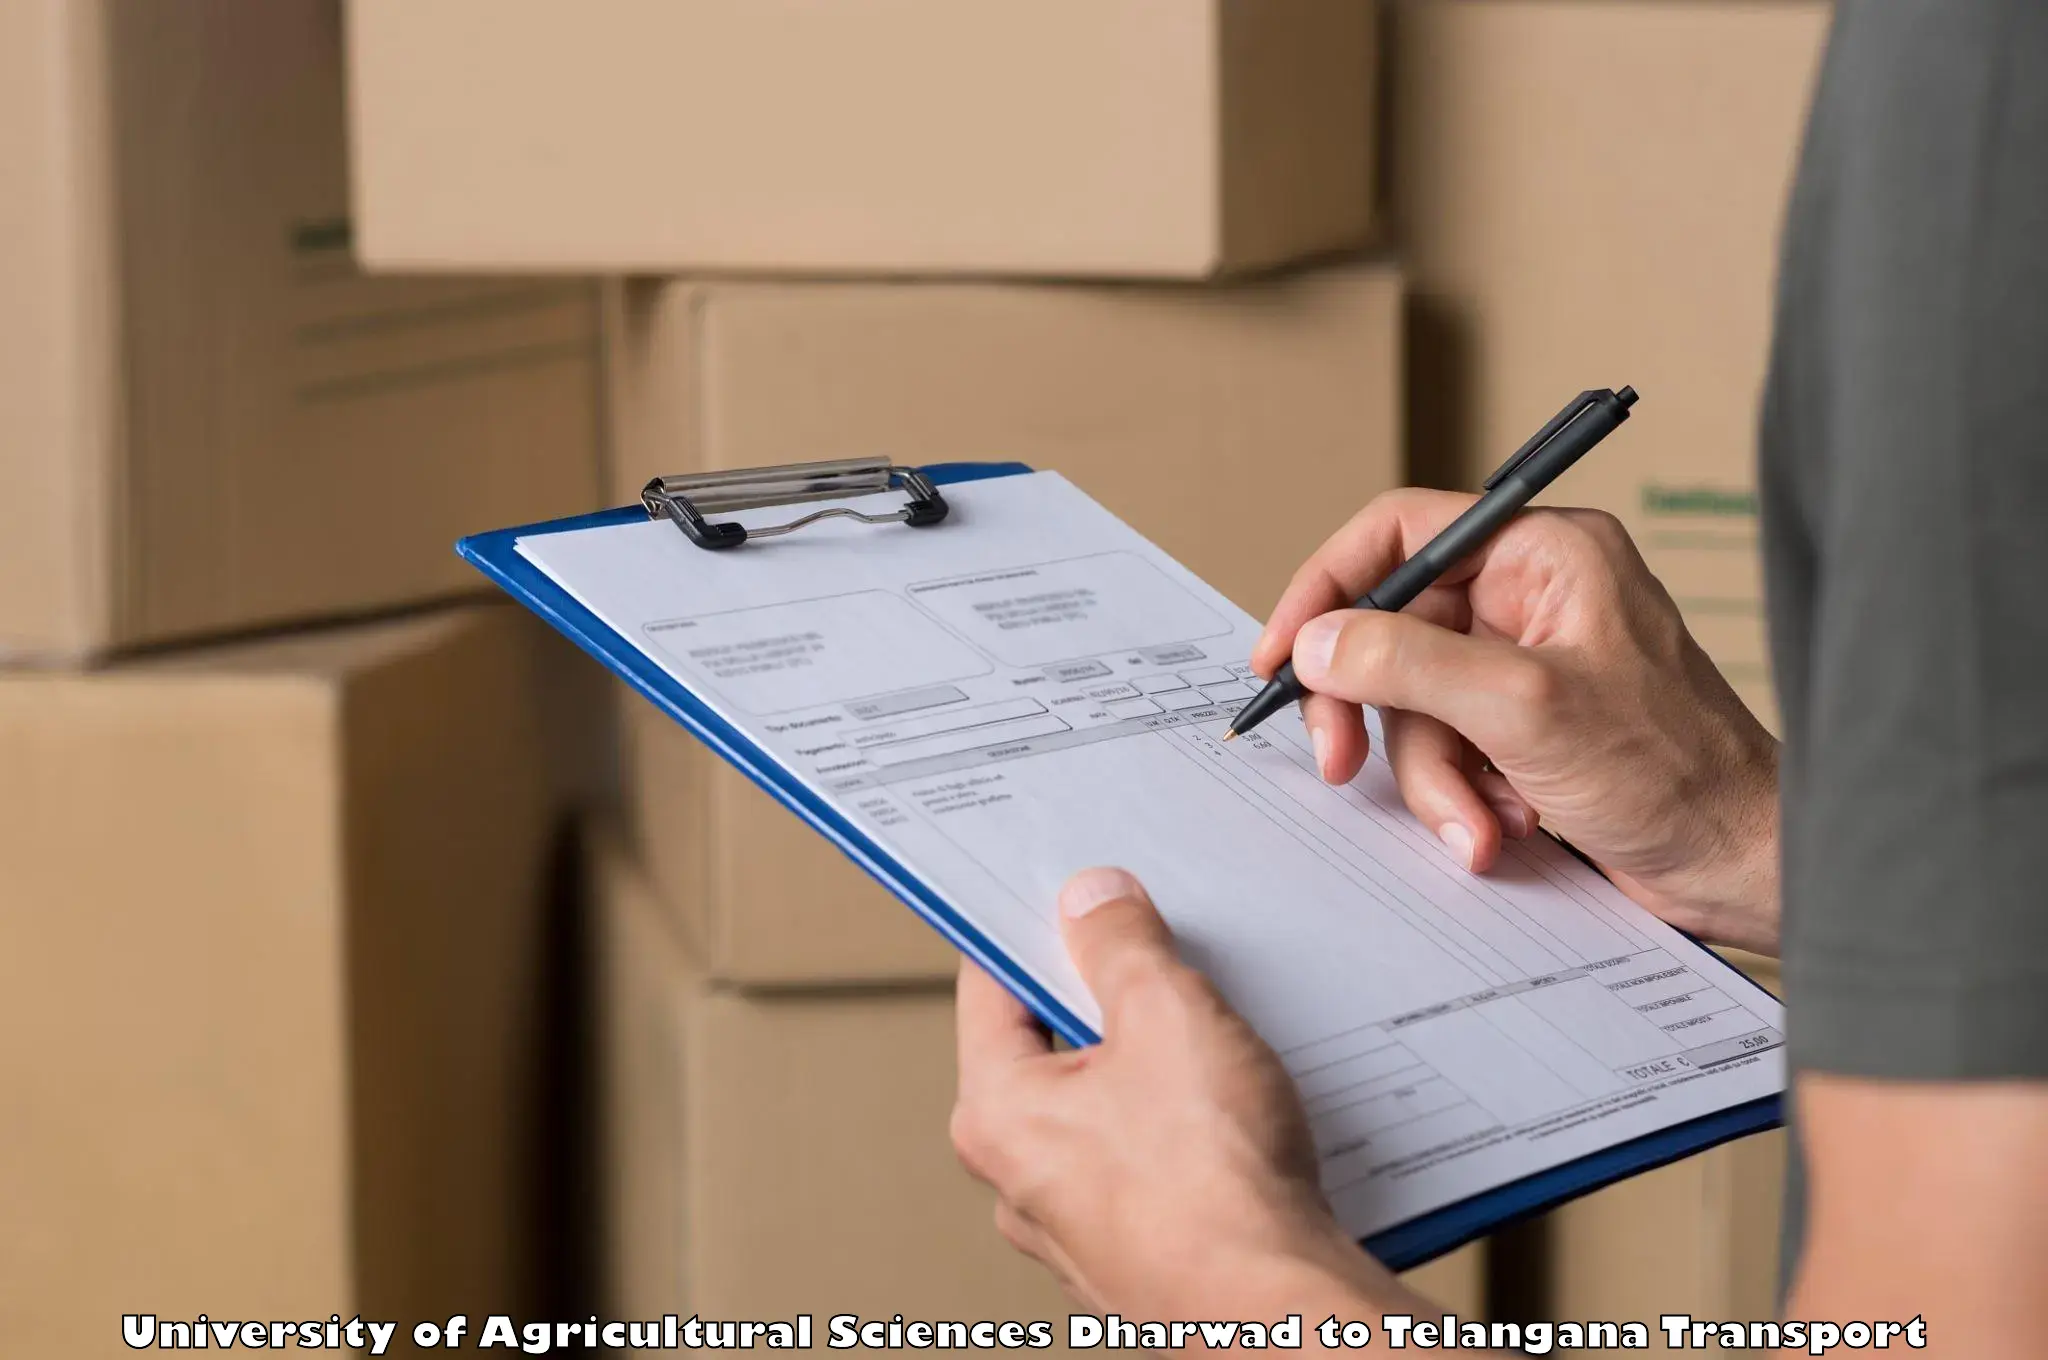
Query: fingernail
<point x="1315" y="646"/>
<point x="1458" y="841"/>
<point x="1090" y="888"/>
<point x="1320" y="741"/>
<point x="1514" y="818"/>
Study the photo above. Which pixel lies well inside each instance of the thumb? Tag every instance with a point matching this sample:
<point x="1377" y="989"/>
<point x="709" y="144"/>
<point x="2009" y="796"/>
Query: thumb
<point x="1114" y="934"/>
<point x="1490" y="691"/>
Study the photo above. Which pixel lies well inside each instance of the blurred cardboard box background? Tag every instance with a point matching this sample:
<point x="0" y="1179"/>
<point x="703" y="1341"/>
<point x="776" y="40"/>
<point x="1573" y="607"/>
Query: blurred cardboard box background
<point x="1124" y="138"/>
<point x="1587" y="194"/>
<point x="213" y="420"/>
<point x="273" y="1000"/>
<point x="279" y="915"/>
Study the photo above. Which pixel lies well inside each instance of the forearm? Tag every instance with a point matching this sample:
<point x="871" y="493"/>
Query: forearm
<point x="1929" y="1200"/>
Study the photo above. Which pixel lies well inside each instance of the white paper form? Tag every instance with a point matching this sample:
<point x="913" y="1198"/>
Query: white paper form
<point x="1031" y="688"/>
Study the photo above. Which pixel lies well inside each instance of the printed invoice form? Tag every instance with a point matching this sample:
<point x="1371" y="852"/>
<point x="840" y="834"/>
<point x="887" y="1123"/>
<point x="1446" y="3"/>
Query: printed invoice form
<point x="1032" y="688"/>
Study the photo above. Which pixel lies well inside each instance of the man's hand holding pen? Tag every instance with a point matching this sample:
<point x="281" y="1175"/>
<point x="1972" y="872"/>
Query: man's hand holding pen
<point x="1545" y="680"/>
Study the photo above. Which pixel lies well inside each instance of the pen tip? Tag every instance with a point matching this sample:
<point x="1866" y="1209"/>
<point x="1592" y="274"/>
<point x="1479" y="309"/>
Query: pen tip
<point x="1230" y="735"/>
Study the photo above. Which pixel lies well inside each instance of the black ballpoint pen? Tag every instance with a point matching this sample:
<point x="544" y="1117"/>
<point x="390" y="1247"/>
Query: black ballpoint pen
<point x="1586" y="420"/>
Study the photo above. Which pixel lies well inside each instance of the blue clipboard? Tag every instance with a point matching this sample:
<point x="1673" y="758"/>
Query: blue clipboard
<point x="1401" y="1247"/>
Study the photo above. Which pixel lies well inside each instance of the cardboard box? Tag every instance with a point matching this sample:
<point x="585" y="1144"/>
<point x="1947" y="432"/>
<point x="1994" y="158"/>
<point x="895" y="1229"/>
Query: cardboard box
<point x="1455" y="1283"/>
<point x="1699" y="1236"/>
<point x="770" y="1154"/>
<point x="1236" y="426"/>
<point x="1126" y="138"/>
<point x="213" y="421"/>
<point x="269" y="979"/>
<point x="1588" y="194"/>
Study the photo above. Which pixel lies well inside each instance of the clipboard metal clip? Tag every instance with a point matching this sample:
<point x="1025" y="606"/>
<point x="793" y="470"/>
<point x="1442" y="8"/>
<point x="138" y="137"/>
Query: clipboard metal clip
<point x="688" y="498"/>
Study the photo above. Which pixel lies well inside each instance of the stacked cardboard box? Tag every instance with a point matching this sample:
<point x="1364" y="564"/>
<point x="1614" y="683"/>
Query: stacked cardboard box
<point x="270" y="978"/>
<point x="214" y="420"/>
<point x="271" y="944"/>
<point x="1108" y="138"/>
<point x="1589" y="194"/>
<point x="901" y="157"/>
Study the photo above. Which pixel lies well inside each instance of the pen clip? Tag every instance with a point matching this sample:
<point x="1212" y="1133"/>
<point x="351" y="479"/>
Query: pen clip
<point x="1573" y="409"/>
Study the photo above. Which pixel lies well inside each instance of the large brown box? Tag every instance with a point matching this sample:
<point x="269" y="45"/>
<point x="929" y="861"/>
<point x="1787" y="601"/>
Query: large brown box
<point x="212" y="420"/>
<point x="1122" y="138"/>
<point x="773" y="1153"/>
<point x="1234" y="425"/>
<point x="270" y="955"/>
<point x="1588" y="194"/>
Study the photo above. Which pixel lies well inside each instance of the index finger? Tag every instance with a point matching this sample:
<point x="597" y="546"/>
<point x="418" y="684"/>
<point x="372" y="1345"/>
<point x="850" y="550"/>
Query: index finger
<point x="995" y="1030"/>
<point x="1387" y="532"/>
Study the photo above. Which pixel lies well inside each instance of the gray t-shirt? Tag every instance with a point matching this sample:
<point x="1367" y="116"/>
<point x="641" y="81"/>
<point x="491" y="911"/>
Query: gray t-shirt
<point x="1905" y="519"/>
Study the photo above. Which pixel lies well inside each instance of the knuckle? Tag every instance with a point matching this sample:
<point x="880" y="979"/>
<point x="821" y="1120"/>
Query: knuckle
<point x="1145" y="978"/>
<point x="1418" y="747"/>
<point x="1018" y="1228"/>
<point x="1604" y="528"/>
<point x="1366" y="647"/>
<point x="1181" y="986"/>
<point x="1622" y="579"/>
<point x="1309" y="578"/>
<point x="1396" y="501"/>
<point x="1181" y="991"/>
<point x="969" y="1130"/>
<point x="1601" y="535"/>
<point x="1585" y="526"/>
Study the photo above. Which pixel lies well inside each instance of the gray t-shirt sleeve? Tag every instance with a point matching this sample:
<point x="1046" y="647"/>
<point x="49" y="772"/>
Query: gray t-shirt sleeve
<point x="1905" y="487"/>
